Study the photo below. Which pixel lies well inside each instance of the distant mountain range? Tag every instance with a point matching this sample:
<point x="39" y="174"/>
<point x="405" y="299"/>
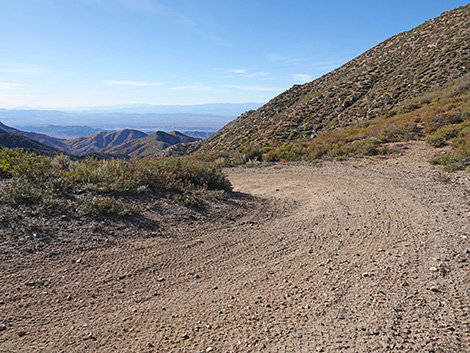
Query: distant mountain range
<point x="101" y="140"/>
<point x="148" y="145"/>
<point x="207" y="117"/>
<point x="124" y="143"/>
<point x="74" y="131"/>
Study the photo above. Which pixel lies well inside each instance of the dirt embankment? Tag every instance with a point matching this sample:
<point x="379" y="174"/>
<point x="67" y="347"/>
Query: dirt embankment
<point x="356" y="256"/>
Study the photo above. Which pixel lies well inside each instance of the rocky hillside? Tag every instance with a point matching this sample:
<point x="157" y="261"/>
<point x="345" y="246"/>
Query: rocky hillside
<point x="101" y="140"/>
<point x="368" y="87"/>
<point x="148" y="145"/>
<point x="44" y="139"/>
<point x="12" y="140"/>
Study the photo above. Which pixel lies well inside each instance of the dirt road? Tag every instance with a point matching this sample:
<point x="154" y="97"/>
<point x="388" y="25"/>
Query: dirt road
<point x="366" y="255"/>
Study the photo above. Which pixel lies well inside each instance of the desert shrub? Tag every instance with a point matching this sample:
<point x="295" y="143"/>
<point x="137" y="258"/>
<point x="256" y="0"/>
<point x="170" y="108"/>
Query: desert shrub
<point x="171" y="174"/>
<point x="188" y="200"/>
<point x="21" y="163"/>
<point x="196" y="172"/>
<point x="252" y="154"/>
<point x="436" y="141"/>
<point x="461" y="86"/>
<point x="99" y="205"/>
<point x="33" y="198"/>
<point x="436" y="119"/>
<point x="22" y="192"/>
<point x="369" y="147"/>
<point x="289" y="151"/>
<point x="460" y="159"/>
<point x="338" y="154"/>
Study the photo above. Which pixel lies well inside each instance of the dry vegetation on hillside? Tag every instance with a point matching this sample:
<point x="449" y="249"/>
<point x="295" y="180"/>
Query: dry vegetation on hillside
<point x="375" y="85"/>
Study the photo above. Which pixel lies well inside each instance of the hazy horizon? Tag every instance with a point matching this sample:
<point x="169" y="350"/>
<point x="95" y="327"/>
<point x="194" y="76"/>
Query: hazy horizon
<point x="204" y="117"/>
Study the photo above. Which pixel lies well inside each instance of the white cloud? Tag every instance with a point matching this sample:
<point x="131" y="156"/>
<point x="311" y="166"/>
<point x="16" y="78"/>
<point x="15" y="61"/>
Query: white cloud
<point x="11" y="85"/>
<point x="302" y="78"/>
<point x="248" y="73"/>
<point x="238" y="71"/>
<point x="21" y="69"/>
<point x="196" y="86"/>
<point x="132" y="83"/>
<point x="257" y="88"/>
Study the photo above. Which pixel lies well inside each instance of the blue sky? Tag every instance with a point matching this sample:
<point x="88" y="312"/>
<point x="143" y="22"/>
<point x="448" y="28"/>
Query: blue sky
<point x="72" y="53"/>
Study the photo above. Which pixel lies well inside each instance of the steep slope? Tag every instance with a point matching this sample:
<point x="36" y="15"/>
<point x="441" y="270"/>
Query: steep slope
<point x="369" y="86"/>
<point x="44" y="139"/>
<point x="150" y="144"/>
<point x="102" y="140"/>
<point x="11" y="140"/>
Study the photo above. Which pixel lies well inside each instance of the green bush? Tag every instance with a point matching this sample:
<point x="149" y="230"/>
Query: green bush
<point x="454" y="160"/>
<point x="21" y="163"/>
<point x="436" y="141"/>
<point x="189" y="170"/>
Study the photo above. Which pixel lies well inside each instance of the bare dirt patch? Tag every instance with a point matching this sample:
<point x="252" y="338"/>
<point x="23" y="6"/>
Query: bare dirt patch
<point x="355" y="256"/>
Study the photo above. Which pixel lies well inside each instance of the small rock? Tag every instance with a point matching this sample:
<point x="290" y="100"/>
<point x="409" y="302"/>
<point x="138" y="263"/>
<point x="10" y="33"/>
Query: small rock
<point x="79" y="261"/>
<point x="150" y="345"/>
<point x="161" y="279"/>
<point x="215" y="288"/>
<point x="31" y="283"/>
<point x="69" y="297"/>
<point x="373" y="332"/>
<point x="435" y="289"/>
<point x="384" y="344"/>
<point x="319" y="349"/>
<point x="21" y="333"/>
<point x="433" y="269"/>
<point x="209" y="349"/>
<point x="361" y="328"/>
<point x="3" y="327"/>
<point x="185" y="336"/>
<point x="298" y="335"/>
<point x="196" y="276"/>
<point x="365" y="274"/>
